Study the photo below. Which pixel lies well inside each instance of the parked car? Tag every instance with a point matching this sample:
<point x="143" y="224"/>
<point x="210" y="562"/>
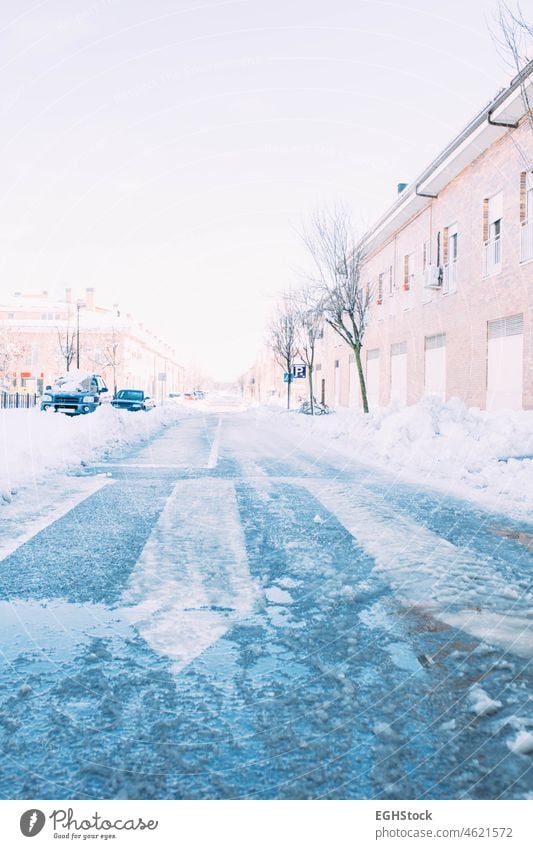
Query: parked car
<point x="75" y="394"/>
<point x="132" y="399"/>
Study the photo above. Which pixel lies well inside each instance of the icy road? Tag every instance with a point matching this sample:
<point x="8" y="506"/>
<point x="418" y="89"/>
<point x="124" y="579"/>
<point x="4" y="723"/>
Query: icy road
<point x="234" y="610"/>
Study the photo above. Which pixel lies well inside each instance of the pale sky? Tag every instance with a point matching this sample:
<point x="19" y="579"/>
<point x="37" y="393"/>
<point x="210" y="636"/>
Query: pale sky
<point x="165" y="151"/>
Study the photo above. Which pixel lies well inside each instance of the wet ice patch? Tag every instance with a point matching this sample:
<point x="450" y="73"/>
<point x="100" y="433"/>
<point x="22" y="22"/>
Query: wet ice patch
<point x="278" y="596"/>
<point x="403" y="658"/>
<point x="52" y="631"/>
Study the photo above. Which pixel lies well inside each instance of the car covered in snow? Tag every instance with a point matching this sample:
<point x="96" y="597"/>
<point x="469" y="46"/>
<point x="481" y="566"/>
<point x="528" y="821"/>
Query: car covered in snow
<point x="132" y="399"/>
<point x="75" y="394"/>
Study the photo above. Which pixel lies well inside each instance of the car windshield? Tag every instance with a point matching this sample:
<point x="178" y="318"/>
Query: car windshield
<point x="131" y="395"/>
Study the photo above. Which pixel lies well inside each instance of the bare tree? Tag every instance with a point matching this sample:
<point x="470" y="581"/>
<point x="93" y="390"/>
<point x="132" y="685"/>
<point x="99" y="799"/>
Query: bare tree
<point x="66" y="337"/>
<point x="13" y="348"/>
<point x="309" y="323"/>
<point x="283" y="340"/>
<point x="338" y="261"/>
<point x="111" y="351"/>
<point x="514" y="38"/>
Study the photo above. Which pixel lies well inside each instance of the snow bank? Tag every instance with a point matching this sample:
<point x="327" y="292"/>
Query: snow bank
<point x="482" y="456"/>
<point x="36" y="445"/>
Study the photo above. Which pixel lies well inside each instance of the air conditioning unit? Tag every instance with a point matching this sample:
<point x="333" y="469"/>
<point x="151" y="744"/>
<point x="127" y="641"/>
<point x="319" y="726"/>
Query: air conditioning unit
<point x="433" y="277"/>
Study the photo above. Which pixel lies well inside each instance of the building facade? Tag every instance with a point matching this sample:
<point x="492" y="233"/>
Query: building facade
<point x="38" y="334"/>
<point x="450" y="270"/>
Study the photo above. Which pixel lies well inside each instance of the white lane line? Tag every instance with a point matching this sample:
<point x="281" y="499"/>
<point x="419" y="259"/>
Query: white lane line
<point x="141" y="466"/>
<point x="192" y="581"/>
<point x="426" y="570"/>
<point x="213" y="454"/>
<point x="38" y="525"/>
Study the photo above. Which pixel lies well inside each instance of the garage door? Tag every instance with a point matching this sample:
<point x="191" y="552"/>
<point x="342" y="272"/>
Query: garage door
<point x="435" y="365"/>
<point x="505" y="366"/>
<point x="372" y="378"/>
<point x="398" y="372"/>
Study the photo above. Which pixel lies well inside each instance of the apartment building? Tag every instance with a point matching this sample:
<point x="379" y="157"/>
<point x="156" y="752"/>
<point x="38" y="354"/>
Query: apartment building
<point x="450" y="267"/>
<point x="37" y="330"/>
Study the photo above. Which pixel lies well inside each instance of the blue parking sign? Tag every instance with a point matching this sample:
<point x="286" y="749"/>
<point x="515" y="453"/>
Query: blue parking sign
<point x="298" y="371"/>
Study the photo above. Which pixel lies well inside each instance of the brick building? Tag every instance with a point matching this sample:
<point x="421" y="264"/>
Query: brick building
<point x="36" y="330"/>
<point x="450" y="266"/>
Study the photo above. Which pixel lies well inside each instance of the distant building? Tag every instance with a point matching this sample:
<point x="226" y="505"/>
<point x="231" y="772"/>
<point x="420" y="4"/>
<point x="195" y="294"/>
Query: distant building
<point x="39" y="333"/>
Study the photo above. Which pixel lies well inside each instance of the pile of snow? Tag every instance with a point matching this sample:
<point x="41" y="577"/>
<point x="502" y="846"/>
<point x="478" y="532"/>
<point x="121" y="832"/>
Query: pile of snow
<point x="483" y="456"/>
<point x="522" y="744"/>
<point x="481" y="702"/>
<point x="36" y="445"/>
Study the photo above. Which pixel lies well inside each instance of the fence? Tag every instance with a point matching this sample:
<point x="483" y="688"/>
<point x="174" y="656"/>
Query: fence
<point x="17" y="400"/>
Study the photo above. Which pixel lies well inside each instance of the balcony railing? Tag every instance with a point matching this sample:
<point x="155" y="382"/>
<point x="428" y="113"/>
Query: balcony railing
<point x="492" y="257"/>
<point x="526" y="241"/>
<point x="449" y="277"/>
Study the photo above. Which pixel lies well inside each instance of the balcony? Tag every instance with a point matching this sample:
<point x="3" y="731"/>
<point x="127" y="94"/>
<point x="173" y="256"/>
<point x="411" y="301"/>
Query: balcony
<point x="492" y="257"/>
<point x="526" y="241"/>
<point x="449" y="277"/>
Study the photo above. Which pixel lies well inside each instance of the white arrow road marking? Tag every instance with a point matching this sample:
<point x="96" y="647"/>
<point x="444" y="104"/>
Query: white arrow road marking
<point x="213" y="454"/>
<point x="426" y="570"/>
<point x="192" y="581"/>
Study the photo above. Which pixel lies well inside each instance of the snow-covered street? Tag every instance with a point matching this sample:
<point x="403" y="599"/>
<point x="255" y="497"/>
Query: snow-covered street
<point x="238" y="607"/>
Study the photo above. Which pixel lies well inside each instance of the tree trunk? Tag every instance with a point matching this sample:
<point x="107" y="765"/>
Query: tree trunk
<point x="357" y="353"/>
<point x="289" y="383"/>
<point x="311" y="399"/>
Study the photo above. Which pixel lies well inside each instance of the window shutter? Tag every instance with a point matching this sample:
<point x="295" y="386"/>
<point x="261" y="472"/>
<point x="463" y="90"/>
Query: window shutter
<point x="523" y="190"/>
<point x="485" y="219"/>
<point x="437" y="341"/>
<point x="511" y="325"/>
<point x="445" y="246"/>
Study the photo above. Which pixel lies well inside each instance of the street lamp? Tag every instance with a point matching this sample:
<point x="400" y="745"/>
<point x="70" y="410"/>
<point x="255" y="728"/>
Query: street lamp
<point x="79" y="306"/>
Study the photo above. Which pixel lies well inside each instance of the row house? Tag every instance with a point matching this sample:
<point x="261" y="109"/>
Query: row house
<point x="450" y="269"/>
<point x="35" y="330"/>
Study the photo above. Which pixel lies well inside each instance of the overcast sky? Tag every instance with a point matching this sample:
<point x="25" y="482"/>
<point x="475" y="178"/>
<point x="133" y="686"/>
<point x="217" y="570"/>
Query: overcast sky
<point x="164" y="151"/>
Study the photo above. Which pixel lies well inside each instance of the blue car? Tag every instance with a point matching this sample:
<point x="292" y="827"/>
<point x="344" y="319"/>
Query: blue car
<point x="132" y="399"/>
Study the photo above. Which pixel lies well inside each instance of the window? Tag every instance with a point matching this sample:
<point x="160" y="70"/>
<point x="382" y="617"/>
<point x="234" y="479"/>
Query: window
<point x="526" y="216"/>
<point x="391" y="281"/>
<point x="492" y="230"/>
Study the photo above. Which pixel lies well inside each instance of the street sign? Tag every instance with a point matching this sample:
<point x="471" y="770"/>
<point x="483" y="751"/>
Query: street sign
<point x="287" y="378"/>
<point x="298" y="371"/>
